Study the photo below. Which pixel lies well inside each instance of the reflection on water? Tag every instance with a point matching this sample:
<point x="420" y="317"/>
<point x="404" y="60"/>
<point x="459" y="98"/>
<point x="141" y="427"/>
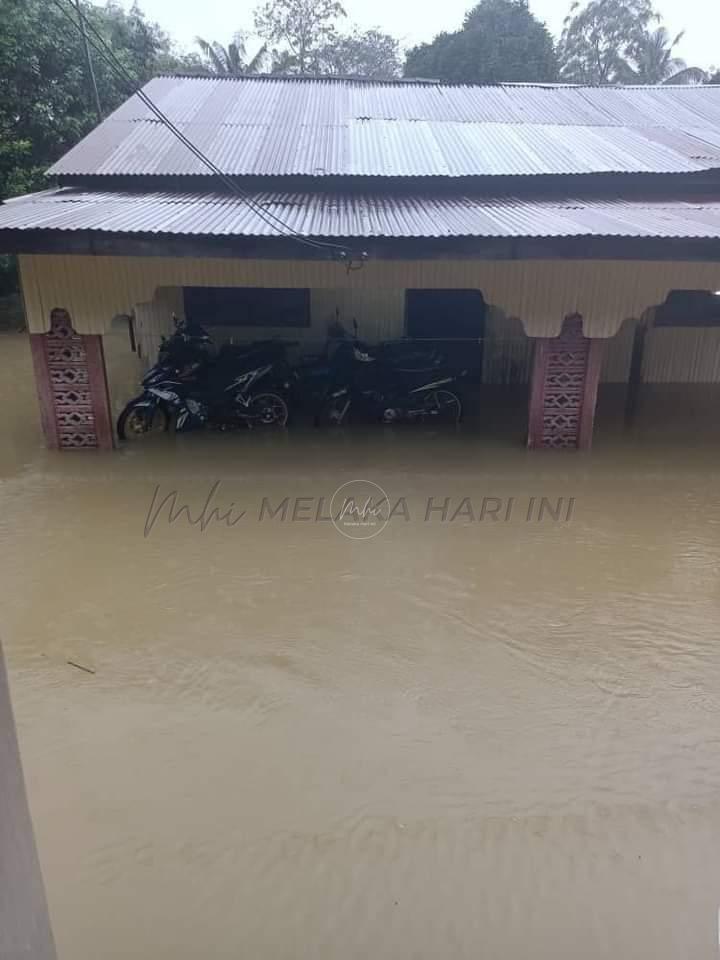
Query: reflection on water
<point x="452" y="740"/>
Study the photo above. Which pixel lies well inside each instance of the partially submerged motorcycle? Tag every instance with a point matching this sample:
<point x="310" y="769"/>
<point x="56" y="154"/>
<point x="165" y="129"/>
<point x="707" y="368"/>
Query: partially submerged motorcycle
<point x="239" y="387"/>
<point x="367" y="384"/>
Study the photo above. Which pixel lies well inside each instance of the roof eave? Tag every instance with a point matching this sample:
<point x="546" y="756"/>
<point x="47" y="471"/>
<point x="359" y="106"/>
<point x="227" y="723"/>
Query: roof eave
<point x="580" y="247"/>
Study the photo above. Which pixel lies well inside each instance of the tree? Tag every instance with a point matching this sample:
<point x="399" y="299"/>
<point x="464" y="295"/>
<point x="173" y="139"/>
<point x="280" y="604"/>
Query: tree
<point x="368" y="53"/>
<point x="600" y="40"/>
<point x="653" y="60"/>
<point x="231" y="60"/>
<point x="46" y="101"/>
<point x="500" y="41"/>
<point x="612" y="41"/>
<point x="302" y="28"/>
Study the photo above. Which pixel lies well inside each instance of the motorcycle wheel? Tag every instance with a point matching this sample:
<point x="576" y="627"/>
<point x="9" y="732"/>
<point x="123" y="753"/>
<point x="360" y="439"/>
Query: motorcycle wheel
<point x="444" y="405"/>
<point x="268" y="410"/>
<point x="136" y="422"/>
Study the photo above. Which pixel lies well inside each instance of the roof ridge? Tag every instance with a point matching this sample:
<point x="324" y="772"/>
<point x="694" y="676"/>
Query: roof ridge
<point x="310" y="78"/>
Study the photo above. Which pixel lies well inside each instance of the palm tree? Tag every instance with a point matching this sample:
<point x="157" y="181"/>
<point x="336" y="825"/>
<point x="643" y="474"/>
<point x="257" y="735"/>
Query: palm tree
<point x="653" y="60"/>
<point x="231" y="60"/>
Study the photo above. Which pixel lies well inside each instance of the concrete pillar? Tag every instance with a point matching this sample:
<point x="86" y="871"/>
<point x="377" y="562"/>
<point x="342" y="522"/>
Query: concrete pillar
<point x="563" y="389"/>
<point x="72" y="387"/>
<point x="24" y="923"/>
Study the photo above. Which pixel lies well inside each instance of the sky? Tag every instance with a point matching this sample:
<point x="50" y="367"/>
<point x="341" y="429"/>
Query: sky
<point x="414" y="22"/>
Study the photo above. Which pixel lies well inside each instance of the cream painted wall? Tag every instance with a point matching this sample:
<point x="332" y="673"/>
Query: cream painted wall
<point x="674" y="355"/>
<point x="541" y="293"/>
<point x="154" y="320"/>
<point x="671" y="355"/>
<point x="124" y="368"/>
<point x="616" y="364"/>
<point x="507" y="354"/>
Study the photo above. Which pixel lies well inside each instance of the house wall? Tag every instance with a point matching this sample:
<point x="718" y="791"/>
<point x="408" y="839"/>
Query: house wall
<point x="677" y="355"/>
<point x="616" y="363"/>
<point x="541" y="293"/>
<point x="507" y="354"/>
<point x="124" y="368"/>
<point x="99" y="289"/>
<point x="380" y="315"/>
<point x="671" y="355"/>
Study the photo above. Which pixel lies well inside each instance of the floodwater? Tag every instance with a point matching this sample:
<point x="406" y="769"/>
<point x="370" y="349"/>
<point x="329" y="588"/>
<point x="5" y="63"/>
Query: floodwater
<point x="454" y="739"/>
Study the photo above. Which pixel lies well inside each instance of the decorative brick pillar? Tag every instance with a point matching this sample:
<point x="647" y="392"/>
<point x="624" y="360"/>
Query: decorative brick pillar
<point x="563" y="389"/>
<point x="72" y="387"/>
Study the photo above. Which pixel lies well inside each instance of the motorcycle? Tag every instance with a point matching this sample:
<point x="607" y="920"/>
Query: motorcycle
<point x="241" y="386"/>
<point x="378" y="390"/>
<point x="312" y="373"/>
<point x="179" y="357"/>
<point x="314" y="376"/>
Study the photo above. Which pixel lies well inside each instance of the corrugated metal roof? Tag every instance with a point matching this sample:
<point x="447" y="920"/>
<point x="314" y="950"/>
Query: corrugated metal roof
<point x="270" y="126"/>
<point x="363" y="216"/>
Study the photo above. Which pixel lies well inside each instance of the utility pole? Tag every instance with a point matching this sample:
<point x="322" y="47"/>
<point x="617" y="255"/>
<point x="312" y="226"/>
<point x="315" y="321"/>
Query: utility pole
<point x="88" y="59"/>
<point x="24" y="922"/>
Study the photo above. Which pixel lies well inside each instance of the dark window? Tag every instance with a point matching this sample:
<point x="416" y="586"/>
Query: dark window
<point x="248" y="306"/>
<point x="453" y="321"/>
<point x="444" y="314"/>
<point x="689" y="308"/>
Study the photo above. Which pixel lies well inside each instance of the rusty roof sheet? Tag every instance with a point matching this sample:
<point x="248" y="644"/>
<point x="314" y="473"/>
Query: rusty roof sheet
<point x="332" y="127"/>
<point x="365" y="215"/>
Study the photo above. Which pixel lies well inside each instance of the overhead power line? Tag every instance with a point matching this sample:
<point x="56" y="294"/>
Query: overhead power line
<point x="95" y="39"/>
<point x="88" y="60"/>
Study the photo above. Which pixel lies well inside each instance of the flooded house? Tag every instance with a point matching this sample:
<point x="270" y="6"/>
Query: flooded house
<point x="570" y="231"/>
<point x="483" y="724"/>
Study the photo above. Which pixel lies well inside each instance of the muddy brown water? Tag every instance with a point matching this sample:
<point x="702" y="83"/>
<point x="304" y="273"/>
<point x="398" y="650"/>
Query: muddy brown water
<point x="455" y="739"/>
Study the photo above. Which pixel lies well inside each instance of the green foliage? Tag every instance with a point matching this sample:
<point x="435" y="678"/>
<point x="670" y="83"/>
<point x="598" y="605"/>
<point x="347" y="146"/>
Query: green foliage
<point x="619" y="41"/>
<point x="368" y="53"/>
<point x="500" y="41"/>
<point x="601" y="40"/>
<point x="653" y="61"/>
<point x="232" y="60"/>
<point x="308" y="41"/>
<point x="301" y="28"/>
<point x="46" y="102"/>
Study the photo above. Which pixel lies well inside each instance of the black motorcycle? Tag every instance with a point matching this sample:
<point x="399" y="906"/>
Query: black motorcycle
<point x="242" y="386"/>
<point x="180" y="356"/>
<point x="367" y="386"/>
